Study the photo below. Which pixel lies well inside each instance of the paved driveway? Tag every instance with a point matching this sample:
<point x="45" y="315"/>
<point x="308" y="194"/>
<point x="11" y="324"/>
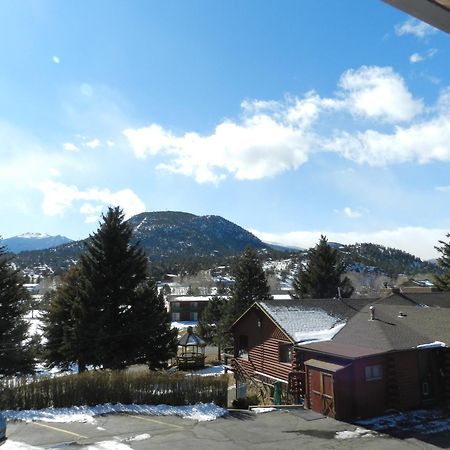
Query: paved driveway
<point x="240" y="430"/>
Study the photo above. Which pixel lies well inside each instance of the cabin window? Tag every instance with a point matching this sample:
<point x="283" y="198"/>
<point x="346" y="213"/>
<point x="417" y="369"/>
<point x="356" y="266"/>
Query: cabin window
<point x="194" y="316"/>
<point x="175" y="305"/>
<point x="284" y="353"/>
<point x="175" y="316"/>
<point x="243" y="346"/>
<point x="194" y="305"/>
<point x="374" y="372"/>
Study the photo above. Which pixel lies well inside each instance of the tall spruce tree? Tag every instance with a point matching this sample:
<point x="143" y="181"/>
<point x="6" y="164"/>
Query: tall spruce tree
<point x="250" y="283"/>
<point x="322" y="275"/>
<point x="15" y="352"/>
<point x="442" y="281"/>
<point x="116" y="316"/>
<point x="211" y="324"/>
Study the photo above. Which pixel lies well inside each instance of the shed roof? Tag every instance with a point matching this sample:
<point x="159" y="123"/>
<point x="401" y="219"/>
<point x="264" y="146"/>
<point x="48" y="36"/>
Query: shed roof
<point x="323" y="365"/>
<point x="338" y="349"/>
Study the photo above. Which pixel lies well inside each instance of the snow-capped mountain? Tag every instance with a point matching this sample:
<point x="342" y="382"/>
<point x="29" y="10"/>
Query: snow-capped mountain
<point x="33" y="241"/>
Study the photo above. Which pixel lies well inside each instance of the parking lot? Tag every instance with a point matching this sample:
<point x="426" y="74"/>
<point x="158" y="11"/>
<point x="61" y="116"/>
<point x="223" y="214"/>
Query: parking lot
<point x="240" y="430"/>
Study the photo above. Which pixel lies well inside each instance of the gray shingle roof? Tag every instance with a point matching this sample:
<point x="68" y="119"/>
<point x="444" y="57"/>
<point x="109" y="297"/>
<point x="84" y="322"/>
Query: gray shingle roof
<point x="311" y="319"/>
<point x="391" y="331"/>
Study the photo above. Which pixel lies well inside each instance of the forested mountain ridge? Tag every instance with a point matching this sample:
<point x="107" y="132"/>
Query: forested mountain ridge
<point x="390" y="261"/>
<point x="178" y="241"/>
<point x="168" y="237"/>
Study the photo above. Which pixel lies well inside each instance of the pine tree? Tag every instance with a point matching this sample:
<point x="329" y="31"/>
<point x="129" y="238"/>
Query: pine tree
<point x="442" y="281"/>
<point x="250" y="283"/>
<point x="113" y="314"/>
<point x="211" y="324"/>
<point x="15" y="352"/>
<point x="70" y="326"/>
<point x="322" y="275"/>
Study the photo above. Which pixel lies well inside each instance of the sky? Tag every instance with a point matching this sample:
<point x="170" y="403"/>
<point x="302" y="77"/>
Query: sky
<point x="290" y="118"/>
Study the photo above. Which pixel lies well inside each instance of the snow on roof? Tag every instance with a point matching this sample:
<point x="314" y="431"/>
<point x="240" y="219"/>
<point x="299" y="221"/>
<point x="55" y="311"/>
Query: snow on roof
<point x="303" y="324"/>
<point x="190" y="298"/>
<point x="321" y="335"/>
<point x="286" y="296"/>
<point x="434" y="344"/>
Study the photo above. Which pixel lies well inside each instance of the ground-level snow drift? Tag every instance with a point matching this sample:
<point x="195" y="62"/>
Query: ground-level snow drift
<point x="200" y="411"/>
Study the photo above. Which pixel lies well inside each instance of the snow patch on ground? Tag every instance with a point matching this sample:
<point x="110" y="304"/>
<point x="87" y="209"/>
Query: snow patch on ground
<point x="139" y="437"/>
<point x="209" y="371"/>
<point x="13" y="445"/>
<point x="263" y="410"/>
<point x="359" y="432"/>
<point x="108" y="445"/>
<point x="201" y="412"/>
<point x="421" y="421"/>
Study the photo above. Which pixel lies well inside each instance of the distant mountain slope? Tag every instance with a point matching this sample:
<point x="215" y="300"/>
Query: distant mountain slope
<point x="164" y="235"/>
<point x="391" y="261"/>
<point x="169" y="233"/>
<point x="33" y="241"/>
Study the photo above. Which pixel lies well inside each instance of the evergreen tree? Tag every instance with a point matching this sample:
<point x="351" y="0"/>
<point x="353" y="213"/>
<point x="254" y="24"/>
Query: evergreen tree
<point x="250" y="283"/>
<point x="442" y="281"/>
<point x="211" y="324"/>
<point x="15" y="352"/>
<point x="113" y="314"/>
<point x="70" y="326"/>
<point x="322" y="275"/>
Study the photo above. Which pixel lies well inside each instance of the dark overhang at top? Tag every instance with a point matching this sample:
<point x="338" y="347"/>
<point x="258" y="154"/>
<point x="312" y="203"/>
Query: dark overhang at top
<point x="434" y="12"/>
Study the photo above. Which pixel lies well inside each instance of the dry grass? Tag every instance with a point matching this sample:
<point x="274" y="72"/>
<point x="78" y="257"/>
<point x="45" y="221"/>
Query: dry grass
<point x="93" y="388"/>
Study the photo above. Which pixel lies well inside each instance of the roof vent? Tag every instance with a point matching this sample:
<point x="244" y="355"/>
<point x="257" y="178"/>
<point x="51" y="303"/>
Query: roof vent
<point x="372" y="312"/>
<point x="401" y="314"/>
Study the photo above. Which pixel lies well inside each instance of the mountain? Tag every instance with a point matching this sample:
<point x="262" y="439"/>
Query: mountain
<point x="168" y="233"/>
<point x="390" y="261"/>
<point x="33" y="241"/>
<point x="166" y="236"/>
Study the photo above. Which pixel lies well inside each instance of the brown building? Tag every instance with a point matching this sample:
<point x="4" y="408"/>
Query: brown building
<point x="388" y="357"/>
<point x="265" y="335"/>
<point x="186" y="308"/>
<point x="346" y="360"/>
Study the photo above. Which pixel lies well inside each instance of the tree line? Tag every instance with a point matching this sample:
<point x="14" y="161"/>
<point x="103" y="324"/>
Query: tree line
<point x="107" y="312"/>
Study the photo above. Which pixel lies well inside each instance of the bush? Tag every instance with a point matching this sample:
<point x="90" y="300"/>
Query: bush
<point x="93" y="388"/>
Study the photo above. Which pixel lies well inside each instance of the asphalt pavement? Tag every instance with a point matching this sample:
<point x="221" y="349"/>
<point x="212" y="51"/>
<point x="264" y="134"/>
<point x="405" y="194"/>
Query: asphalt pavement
<point x="278" y="430"/>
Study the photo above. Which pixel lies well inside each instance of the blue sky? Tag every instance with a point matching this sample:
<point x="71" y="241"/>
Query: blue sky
<point x="290" y="118"/>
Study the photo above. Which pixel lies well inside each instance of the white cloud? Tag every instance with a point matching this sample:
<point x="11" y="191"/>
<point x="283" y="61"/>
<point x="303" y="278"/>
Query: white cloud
<point x="70" y="147"/>
<point x="349" y="212"/>
<point x="379" y="93"/>
<point x="59" y="197"/>
<point x="423" y="142"/>
<point x="415" y="27"/>
<point x="272" y="137"/>
<point x="94" y="143"/>
<point x="56" y="59"/>
<point x="418" y="241"/>
<point x="417" y="57"/>
<point x="110" y="143"/>
<point x="442" y="188"/>
<point x="259" y="147"/>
